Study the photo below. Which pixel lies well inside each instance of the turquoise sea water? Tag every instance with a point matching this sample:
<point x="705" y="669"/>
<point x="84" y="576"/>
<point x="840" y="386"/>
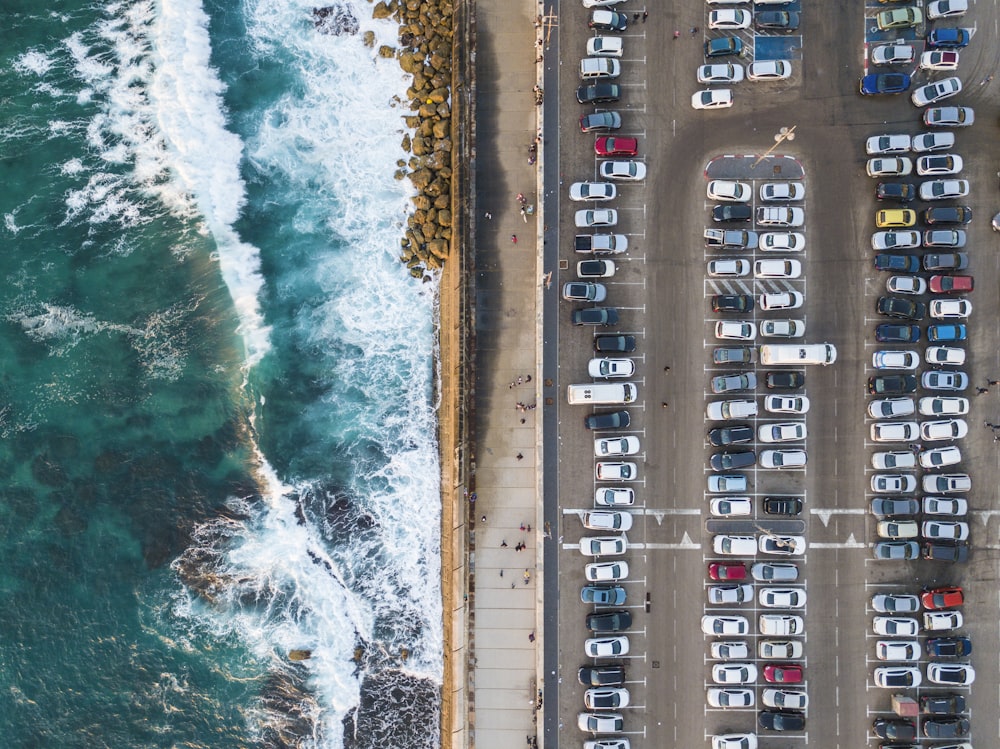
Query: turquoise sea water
<point x="216" y="417"/>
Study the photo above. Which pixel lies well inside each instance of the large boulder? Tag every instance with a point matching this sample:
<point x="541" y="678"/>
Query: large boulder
<point x="381" y="10"/>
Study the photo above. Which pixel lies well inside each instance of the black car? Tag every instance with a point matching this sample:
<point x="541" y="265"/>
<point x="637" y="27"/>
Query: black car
<point x="600" y="121"/>
<point x="949" y="647"/>
<point x="894" y="729"/>
<point x="734" y="355"/>
<point x="608" y="20"/>
<point x="901" y="192"/>
<point x="948" y="214"/>
<point x="601" y="676"/>
<point x="892" y="384"/>
<point x="722" y="46"/>
<point x="785" y="380"/>
<point x="776" y="20"/>
<point x="613" y="420"/>
<point x="942" y="704"/>
<point x="890" y="332"/>
<point x="732" y="303"/>
<point x="782" y="505"/>
<point x="946" y="261"/>
<point x="889" y="507"/>
<point x="609" y="621"/>
<point x="727" y="461"/>
<point x="596" y="93"/>
<point x="733" y="435"/>
<point x="897" y="263"/>
<point x="595" y="316"/>
<point x="615" y="344"/>
<point x="732" y="212"/>
<point x="781" y="720"/>
<point x="905" y="309"/>
<point x="952" y="727"/>
<point x="940" y="551"/>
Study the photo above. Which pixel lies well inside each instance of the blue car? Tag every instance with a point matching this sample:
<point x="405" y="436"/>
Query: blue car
<point x="603" y="595"/>
<point x="885" y="83"/>
<point x="949" y="647"/>
<point x="948" y="38"/>
<point x="940" y="333"/>
<point x="902" y="263"/>
<point x="724" y="45"/>
<point x="897" y="333"/>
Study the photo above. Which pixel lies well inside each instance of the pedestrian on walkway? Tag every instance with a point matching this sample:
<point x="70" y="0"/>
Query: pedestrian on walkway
<point x="677" y="34"/>
<point x="531" y="637"/>
<point x="982" y="391"/>
<point x="513" y="238"/>
<point x="527" y="577"/>
<point x="519" y="456"/>
<point x="503" y="544"/>
<point x="694" y="30"/>
<point x="484" y="518"/>
<point x="645" y="15"/>
<point x="993" y="382"/>
<point x="665" y="404"/>
<point x="489" y="215"/>
<point x="635" y="18"/>
<point x="666" y="369"/>
<point x="522" y="527"/>
<point x="501" y="573"/>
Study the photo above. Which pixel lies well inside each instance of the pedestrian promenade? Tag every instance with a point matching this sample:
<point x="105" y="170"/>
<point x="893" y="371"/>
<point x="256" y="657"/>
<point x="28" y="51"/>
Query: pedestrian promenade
<point x="505" y="511"/>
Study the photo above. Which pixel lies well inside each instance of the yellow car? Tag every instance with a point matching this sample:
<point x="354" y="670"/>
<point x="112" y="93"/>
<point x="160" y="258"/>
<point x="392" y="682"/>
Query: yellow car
<point x="899" y="18"/>
<point x="895" y="218"/>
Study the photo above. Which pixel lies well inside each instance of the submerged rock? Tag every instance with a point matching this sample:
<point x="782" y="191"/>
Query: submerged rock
<point x="335" y="20"/>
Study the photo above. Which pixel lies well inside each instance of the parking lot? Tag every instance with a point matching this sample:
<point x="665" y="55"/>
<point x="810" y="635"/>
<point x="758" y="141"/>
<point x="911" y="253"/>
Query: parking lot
<point x="663" y="290"/>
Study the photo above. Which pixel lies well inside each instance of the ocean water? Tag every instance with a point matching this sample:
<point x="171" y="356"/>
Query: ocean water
<point x="217" y="416"/>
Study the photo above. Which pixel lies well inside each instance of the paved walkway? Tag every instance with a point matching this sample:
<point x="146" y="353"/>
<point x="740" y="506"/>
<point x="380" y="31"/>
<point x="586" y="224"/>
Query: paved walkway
<point x="506" y="602"/>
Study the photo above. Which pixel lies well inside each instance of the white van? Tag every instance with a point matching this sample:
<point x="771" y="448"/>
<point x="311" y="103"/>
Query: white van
<point x="599" y="67"/>
<point x="602" y="393"/>
<point x="794" y="354"/>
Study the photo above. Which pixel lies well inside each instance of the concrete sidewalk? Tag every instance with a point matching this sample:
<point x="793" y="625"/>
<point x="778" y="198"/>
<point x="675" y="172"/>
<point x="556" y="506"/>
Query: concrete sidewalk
<point x="506" y="600"/>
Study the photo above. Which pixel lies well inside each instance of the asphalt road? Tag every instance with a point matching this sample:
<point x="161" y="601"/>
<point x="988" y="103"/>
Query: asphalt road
<point x="661" y="290"/>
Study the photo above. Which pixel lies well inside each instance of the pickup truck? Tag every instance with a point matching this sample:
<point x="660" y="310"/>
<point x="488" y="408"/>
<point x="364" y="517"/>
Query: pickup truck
<point x="731" y="239"/>
<point x="601" y="244"/>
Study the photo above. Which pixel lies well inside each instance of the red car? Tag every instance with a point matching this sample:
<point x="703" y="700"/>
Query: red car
<point x="942" y="598"/>
<point x="719" y="571"/>
<point x="951" y="284"/>
<point x="609" y="145"/>
<point x="783" y="673"/>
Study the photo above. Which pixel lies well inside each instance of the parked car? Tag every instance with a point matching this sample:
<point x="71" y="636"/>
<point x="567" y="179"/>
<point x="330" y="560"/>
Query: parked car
<point x="949" y="116"/>
<point x="600" y="121"/>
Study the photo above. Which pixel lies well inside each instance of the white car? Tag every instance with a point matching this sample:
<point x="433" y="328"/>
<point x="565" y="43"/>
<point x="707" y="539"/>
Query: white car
<point x="609" y="446"/>
<point x="782" y="598"/>
<point x="892" y="166"/>
<point x="782" y="191"/>
<point x="940" y="59"/>
<point x="895" y="626"/>
<point x="734" y="673"/>
<point x="769" y="70"/>
<point x="735" y="409"/>
<point x="896" y="529"/>
<point x="897" y="650"/>
<point x="945" y="355"/>
<point x="783" y="328"/>
<point x="623" y="171"/>
<point x="742" y="546"/>
<point x="906" y="285"/>
<point x="950" y="309"/>
<point x="600" y="722"/>
<point x="889" y="408"/>
<point x="606" y="520"/>
<point x="940" y="457"/>
<point x="944" y="189"/>
<point x="936" y="91"/>
<point x="951" y="674"/>
<point x="938" y="621"/>
<point x="775" y="572"/>
<point x="878" y="145"/>
<point x="601" y="3"/>
<point x="893" y="483"/>
<point x="779" y="649"/>
<point x="729" y="190"/>
<point x="951" y="405"/>
<point x="729" y="650"/>
<point x="892" y="54"/>
<point x="600" y="546"/>
<point x="606" y="572"/>
<point x="946" y="530"/>
<point x="778" y="269"/>
<point x="735" y="330"/>
<point x="782" y="241"/>
<point x="950" y="506"/>
<point x="944" y="429"/>
<point x="893" y="677"/>
<point x="780" y="215"/>
<point x="606" y="647"/>
<point x="605" y="46"/>
<point x="946" y="8"/>
<point x="786" y="404"/>
<point x="605" y="697"/>
<point x="610" y="368"/>
<point x="895" y="431"/>
<point x="730" y="506"/>
<point x="716" y="98"/>
<point x="782" y="458"/>
<point x="592" y="191"/>
<point x="734" y="482"/>
<point x="928" y="142"/>
<point x="725" y="625"/>
<point x="895" y="240"/>
<point x="895" y="603"/>
<point x="720" y="73"/>
<point x="735" y="740"/>
<point x="781" y="300"/>
<point x="785" y="699"/>
<point x="721" y="595"/>
<point x="607" y="497"/>
<point x="599" y="67"/>
<point x="728" y="268"/>
<point x="598" y="217"/>
<point x="887" y="461"/>
<point x="781" y="624"/>
<point x="788" y="431"/>
<point x="729" y="18"/>
<point x="905" y="360"/>
<point x="616" y="471"/>
<point x="946" y="483"/>
<point x="782" y="545"/>
<point x="726" y="698"/>
<point x="939" y="164"/>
